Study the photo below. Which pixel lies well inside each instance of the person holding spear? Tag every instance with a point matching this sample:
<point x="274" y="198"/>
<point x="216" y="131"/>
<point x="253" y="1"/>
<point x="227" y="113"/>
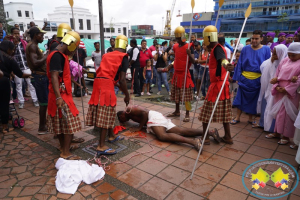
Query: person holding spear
<point x="182" y="52"/>
<point x="218" y="65"/>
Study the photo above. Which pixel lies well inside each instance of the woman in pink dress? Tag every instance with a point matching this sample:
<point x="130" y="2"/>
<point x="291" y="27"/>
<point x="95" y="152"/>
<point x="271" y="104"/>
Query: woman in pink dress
<point x="286" y="98"/>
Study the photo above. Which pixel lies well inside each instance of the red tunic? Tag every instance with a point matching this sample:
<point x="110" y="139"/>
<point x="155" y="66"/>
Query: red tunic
<point x="103" y="90"/>
<point x="217" y="81"/>
<point x="180" y="66"/>
<point x="66" y="94"/>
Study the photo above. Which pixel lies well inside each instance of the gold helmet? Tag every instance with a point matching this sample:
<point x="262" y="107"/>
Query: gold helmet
<point x="62" y="29"/>
<point x="180" y="32"/>
<point x="121" y="42"/>
<point x="72" y="39"/>
<point x="211" y="32"/>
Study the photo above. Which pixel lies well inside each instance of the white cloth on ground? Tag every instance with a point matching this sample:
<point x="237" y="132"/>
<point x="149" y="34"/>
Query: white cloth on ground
<point x="157" y="119"/>
<point x="72" y="172"/>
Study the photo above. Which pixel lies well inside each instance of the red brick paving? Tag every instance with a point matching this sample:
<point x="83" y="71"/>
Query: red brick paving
<point x="27" y="169"/>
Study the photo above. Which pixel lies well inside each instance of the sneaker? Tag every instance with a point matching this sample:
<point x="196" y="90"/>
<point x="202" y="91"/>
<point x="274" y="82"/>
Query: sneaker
<point x="21" y="105"/>
<point x="148" y="93"/>
<point x="36" y="104"/>
<point x="163" y="85"/>
<point x="152" y="85"/>
<point x="142" y="93"/>
<point x="158" y="93"/>
<point x="170" y="93"/>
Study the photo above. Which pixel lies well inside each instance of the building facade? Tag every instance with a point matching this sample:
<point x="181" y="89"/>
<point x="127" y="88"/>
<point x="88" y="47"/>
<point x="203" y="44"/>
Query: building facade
<point x="20" y="13"/>
<point x="142" y="30"/>
<point x="86" y="24"/>
<point x="264" y="16"/>
<point x="199" y="22"/>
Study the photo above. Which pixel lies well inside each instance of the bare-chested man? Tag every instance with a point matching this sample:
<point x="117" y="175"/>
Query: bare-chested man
<point x="37" y="63"/>
<point x="162" y="127"/>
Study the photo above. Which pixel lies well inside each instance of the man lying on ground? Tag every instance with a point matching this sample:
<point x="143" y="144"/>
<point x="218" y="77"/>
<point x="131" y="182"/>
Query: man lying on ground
<point x="163" y="128"/>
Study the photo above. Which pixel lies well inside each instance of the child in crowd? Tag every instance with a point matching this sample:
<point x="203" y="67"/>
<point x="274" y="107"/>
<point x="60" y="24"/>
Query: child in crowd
<point x="148" y="76"/>
<point x="233" y="86"/>
<point x="286" y="98"/>
<point x="96" y="55"/>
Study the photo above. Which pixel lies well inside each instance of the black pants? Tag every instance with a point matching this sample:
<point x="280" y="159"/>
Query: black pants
<point x="142" y="81"/>
<point x="136" y="81"/>
<point x="4" y="99"/>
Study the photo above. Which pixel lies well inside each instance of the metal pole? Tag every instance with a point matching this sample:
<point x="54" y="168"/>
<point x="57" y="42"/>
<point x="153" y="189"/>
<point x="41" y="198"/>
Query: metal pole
<point x="79" y="75"/>
<point x="199" y="94"/>
<point x="101" y="27"/>
<point x="186" y="69"/>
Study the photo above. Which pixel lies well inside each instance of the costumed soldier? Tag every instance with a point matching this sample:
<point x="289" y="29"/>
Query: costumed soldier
<point x="181" y="51"/>
<point x="62" y="29"/>
<point x="102" y="105"/>
<point x="63" y="118"/>
<point x="218" y="65"/>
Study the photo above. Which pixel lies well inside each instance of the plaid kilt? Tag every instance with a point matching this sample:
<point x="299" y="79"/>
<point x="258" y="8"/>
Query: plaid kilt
<point x="101" y="116"/>
<point x="176" y="93"/>
<point x="222" y="113"/>
<point x="68" y="125"/>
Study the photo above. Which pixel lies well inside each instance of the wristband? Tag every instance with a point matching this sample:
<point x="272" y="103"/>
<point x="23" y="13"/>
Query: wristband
<point x="58" y="98"/>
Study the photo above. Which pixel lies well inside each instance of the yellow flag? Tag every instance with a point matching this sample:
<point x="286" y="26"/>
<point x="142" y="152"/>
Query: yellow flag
<point x="221" y="3"/>
<point x="71" y="2"/>
<point x="193" y="4"/>
<point x="248" y="12"/>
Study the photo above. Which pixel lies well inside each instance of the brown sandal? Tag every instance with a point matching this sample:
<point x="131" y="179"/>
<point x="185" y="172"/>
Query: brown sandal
<point x="216" y="136"/>
<point x="173" y="114"/>
<point x="72" y="157"/>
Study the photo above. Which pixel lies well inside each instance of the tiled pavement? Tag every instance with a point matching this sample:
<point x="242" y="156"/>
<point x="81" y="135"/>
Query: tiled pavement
<point x="27" y="163"/>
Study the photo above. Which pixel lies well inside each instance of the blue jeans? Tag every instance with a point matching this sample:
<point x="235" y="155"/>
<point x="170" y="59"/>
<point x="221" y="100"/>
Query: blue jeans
<point x="162" y="78"/>
<point x="41" y="83"/>
<point x="193" y="79"/>
<point x="206" y="80"/>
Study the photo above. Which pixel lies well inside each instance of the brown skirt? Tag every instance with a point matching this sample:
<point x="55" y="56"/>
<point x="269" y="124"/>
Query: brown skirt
<point x="101" y="116"/>
<point x="222" y="113"/>
<point x="69" y="125"/>
<point x="176" y="93"/>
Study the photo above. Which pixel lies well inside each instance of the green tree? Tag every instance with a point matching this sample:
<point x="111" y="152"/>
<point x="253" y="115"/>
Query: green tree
<point x="284" y="17"/>
<point x="9" y="24"/>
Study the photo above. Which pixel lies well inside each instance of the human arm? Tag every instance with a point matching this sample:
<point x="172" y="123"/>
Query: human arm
<point x="45" y="25"/>
<point x="135" y="54"/>
<point x="190" y="53"/>
<point x="1" y="74"/>
<point x="93" y="58"/>
<point x="34" y="57"/>
<point x="144" y="73"/>
<point x="55" y="84"/>
<point x="122" y="80"/>
<point x="165" y="56"/>
<point x="228" y="46"/>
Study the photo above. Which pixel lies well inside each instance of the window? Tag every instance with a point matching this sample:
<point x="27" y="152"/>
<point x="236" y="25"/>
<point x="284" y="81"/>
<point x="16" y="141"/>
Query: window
<point x="71" y="22"/>
<point x="19" y="13"/>
<point x="28" y="26"/>
<point x="7" y="15"/>
<point x="112" y="30"/>
<point x="81" y="36"/>
<point x="88" y="24"/>
<point x="21" y="27"/>
<point x="32" y="14"/>
<point x="89" y="37"/>
<point x="27" y="13"/>
<point x="107" y="30"/>
<point x="119" y="30"/>
<point x="80" y="24"/>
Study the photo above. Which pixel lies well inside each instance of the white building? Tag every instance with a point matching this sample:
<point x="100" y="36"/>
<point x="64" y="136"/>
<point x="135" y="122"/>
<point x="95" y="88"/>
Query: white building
<point x="86" y="24"/>
<point x="21" y="13"/>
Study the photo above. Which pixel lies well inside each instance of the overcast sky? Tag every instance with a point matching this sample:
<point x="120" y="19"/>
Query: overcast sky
<point x="136" y="12"/>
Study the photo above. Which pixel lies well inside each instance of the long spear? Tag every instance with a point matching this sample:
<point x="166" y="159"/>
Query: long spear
<point x="187" y="59"/>
<point x="79" y="75"/>
<point x="247" y="14"/>
<point x="220" y="5"/>
<point x="198" y="97"/>
<point x="199" y="94"/>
